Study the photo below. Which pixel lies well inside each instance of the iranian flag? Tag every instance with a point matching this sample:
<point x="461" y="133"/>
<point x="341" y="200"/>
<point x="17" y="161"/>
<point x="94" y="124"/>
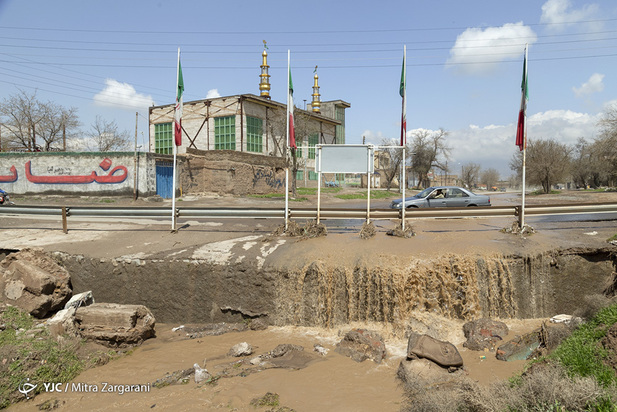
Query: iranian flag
<point x="522" y="115"/>
<point x="403" y="93"/>
<point x="290" y="113"/>
<point x="178" y="111"/>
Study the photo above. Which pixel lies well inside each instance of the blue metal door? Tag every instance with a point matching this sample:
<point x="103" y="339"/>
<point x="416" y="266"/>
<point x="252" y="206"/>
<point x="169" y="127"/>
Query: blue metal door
<point x="164" y="182"/>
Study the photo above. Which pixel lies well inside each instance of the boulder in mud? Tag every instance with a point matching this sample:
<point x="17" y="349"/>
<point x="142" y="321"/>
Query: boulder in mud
<point x="284" y="348"/>
<point x="442" y="353"/>
<point x="34" y="282"/>
<point x="362" y="344"/>
<point x="422" y="373"/>
<point x="115" y="325"/>
<point x="484" y="334"/>
<point x="240" y="349"/>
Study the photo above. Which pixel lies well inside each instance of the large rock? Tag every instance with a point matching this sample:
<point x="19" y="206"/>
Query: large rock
<point x="442" y="353"/>
<point x="115" y="325"/>
<point x="362" y="344"/>
<point x="423" y="373"/>
<point x="34" y="282"/>
<point x="484" y="334"/>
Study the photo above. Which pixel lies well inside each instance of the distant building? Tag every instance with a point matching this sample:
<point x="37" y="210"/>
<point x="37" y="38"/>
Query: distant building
<point x="250" y="123"/>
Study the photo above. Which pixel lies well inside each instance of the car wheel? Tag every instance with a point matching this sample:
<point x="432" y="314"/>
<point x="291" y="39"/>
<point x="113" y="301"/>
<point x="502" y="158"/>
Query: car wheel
<point x="412" y="207"/>
<point x="472" y="205"/>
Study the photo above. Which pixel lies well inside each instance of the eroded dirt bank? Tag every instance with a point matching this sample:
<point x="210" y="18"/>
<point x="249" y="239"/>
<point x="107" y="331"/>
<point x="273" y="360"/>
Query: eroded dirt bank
<point x="318" y="293"/>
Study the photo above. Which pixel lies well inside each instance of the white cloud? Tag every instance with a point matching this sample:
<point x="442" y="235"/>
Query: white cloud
<point x="494" y="145"/>
<point x="477" y="50"/>
<point x="559" y="14"/>
<point x="213" y="93"/>
<point x="593" y="85"/>
<point x="122" y="95"/>
<point x="372" y="137"/>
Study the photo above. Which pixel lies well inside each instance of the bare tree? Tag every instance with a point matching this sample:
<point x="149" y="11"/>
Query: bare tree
<point x="25" y="119"/>
<point x="429" y="148"/>
<point x="390" y="160"/>
<point x="490" y="177"/>
<point x="105" y="137"/>
<point x="605" y="146"/>
<point x="547" y="162"/>
<point x="469" y="174"/>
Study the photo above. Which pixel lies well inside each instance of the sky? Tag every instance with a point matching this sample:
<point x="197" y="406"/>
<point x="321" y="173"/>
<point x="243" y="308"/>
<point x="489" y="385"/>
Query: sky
<point x="464" y="62"/>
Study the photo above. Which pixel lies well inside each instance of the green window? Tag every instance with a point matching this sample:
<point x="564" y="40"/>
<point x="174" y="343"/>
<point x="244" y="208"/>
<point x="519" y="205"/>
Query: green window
<point x="313" y="175"/>
<point x="312" y="141"/>
<point x="254" y="134"/>
<point x="340" y="130"/>
<point x="225" y="133"/>
<point x="300" y="175"/>
<point x="163" y="138"/>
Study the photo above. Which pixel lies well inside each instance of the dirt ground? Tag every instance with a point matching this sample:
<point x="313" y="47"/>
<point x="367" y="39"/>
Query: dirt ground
<point x="330" y="383"/>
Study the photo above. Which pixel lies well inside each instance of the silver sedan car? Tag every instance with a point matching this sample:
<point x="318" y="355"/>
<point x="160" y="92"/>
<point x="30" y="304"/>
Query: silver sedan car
<point x="443" y="196"/>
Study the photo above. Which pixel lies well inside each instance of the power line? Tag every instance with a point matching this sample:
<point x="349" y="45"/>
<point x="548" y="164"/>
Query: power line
<point x="236" y="32"/>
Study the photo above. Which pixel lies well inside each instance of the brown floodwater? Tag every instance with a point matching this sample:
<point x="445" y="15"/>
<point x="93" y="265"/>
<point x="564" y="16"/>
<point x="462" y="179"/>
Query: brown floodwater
<point x="315" y="383"/>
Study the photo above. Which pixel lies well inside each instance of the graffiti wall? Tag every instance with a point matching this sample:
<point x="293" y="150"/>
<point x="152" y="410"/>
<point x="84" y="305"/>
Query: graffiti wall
<point x="111" y="173"/>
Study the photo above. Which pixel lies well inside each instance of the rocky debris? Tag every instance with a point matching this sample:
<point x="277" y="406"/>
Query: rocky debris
<point x="270" y="400"/>
<point x="368" y="230"/>
<point x="519" y="348"/>
<point x="362" y="344"/>
<point x="79" y="300"/>
<point x="34" y="282"/>
<point x="258" y="324"/>
<point x="320" y="349"/>
<point x="240" y="349"/>
<point x="115" y="325"/>
<point x="399" y="232"/>
<point x="484" y="334"/>
<point x="424" y="373"/>
<point x="213" y="329"/>
<point x="181" y="376"/>
<point x="442" y="353"/>
<point x="201" y="374"/>
<point x="63" y="323"/>
<point x="284" y="348"/>
<point x="430" y="362"/>
<point x="310" y="230"/>
<point x="515" y="229"/>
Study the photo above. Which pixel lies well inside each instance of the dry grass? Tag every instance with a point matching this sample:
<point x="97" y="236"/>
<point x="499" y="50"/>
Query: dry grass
<point x="545" y="387"/>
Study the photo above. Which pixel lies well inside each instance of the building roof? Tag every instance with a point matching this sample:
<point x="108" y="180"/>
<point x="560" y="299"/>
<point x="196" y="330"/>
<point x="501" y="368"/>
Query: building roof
<point x="265" y="102"/>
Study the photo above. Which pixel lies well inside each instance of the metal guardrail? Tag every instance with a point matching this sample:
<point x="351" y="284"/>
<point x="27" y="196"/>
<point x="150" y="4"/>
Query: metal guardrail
<point x="304" y="213"/>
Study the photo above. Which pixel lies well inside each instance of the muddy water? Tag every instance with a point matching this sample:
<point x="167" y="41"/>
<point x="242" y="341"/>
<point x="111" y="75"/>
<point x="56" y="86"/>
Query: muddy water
<point x="320" y="383"/>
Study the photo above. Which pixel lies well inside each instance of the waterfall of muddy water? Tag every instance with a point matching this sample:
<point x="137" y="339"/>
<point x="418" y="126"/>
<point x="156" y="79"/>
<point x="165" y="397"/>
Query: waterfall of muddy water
<point x="451" y="286"/>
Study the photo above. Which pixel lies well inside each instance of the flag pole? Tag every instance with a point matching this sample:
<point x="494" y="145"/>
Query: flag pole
<point x="404" y="131"/>
<point x="522" y="222"/>
<point x="287" y="147"/>
<point x="173" y="179"/>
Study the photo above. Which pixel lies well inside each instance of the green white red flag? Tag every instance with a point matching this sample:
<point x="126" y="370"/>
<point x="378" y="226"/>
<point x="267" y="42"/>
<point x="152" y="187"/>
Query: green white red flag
<point x="403" y="93"/>
<point x="521" y="140"/>
<point x="290" y="111"/>
<point x="178" y="110"/>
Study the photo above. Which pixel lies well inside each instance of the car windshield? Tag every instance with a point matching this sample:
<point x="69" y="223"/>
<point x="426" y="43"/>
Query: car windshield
<point x="425" y="193"/>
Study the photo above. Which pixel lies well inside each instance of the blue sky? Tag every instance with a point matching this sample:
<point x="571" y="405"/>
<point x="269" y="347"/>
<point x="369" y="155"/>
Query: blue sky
<point x="464" y="62"/>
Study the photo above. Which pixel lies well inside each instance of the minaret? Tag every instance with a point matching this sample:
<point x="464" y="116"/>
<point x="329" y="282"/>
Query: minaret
<point x="264" y="84"/>
<point x="316" y="103"/>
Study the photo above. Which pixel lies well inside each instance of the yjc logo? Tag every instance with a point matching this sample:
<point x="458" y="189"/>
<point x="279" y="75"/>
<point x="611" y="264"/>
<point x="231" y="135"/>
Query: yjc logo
<point x="26" y="387"/>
